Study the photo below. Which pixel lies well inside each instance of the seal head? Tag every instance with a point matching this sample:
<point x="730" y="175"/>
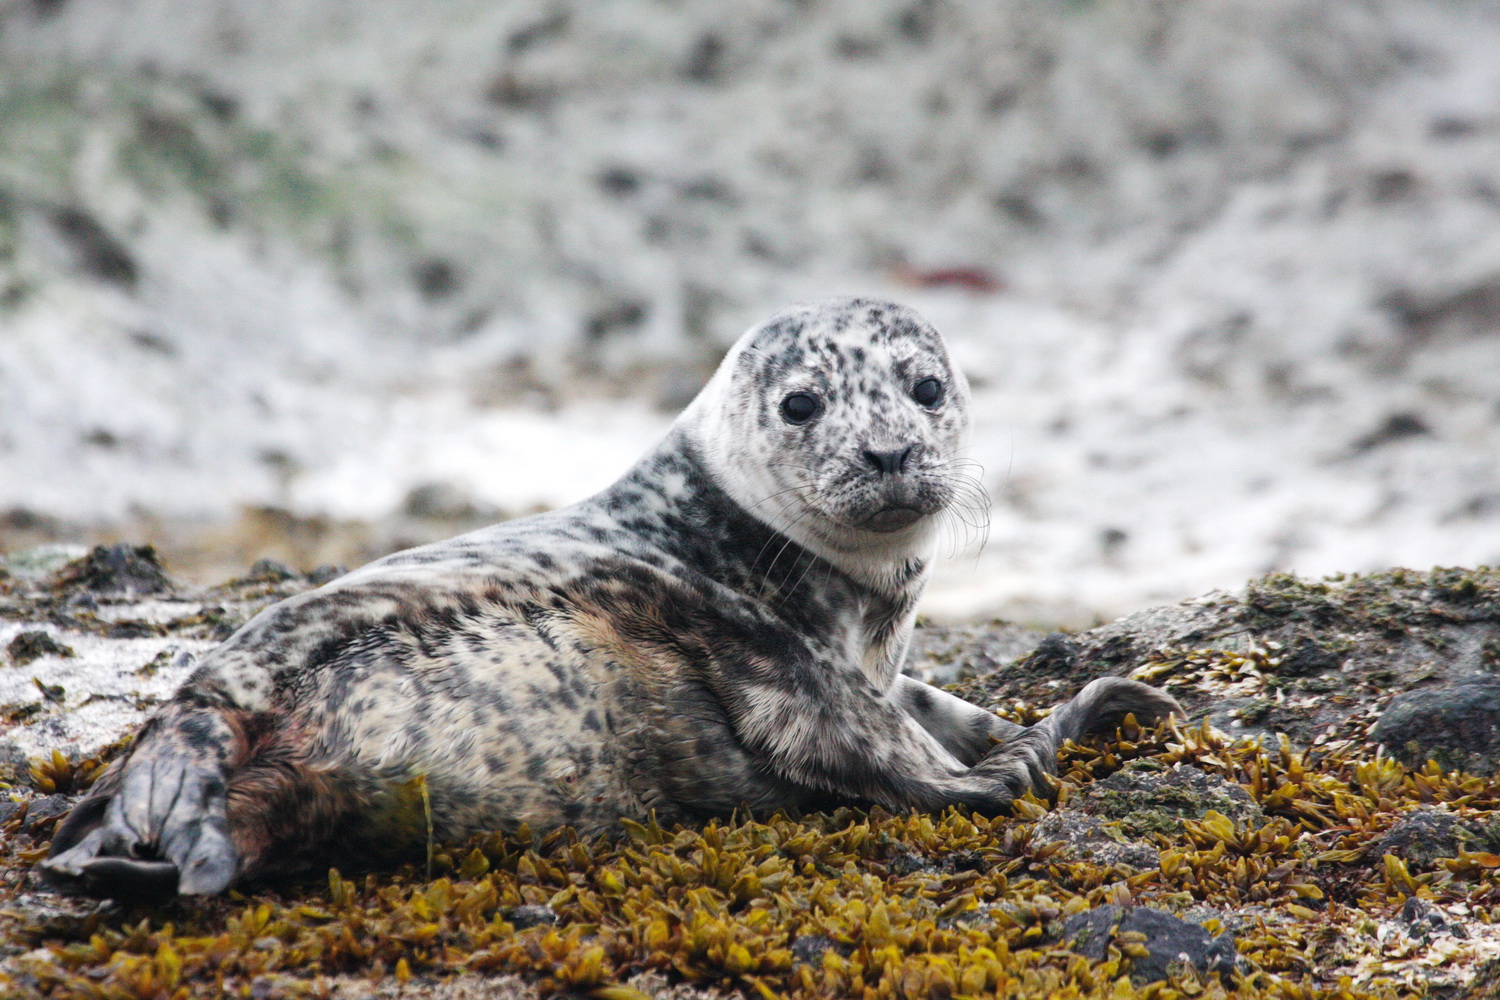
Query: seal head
<point x="839" y="425"/>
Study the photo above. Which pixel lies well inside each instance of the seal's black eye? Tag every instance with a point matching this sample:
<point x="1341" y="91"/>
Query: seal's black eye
<point x="928" y="392"/>
<point x="799" y="408"/>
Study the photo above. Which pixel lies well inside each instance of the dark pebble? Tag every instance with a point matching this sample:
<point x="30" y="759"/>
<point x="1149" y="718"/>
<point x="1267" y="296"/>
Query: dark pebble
<point x="117" y="571"/>
<point x="809" y="949"/>
<point x="34" y="644"/>
<point x="1420" y="837"/>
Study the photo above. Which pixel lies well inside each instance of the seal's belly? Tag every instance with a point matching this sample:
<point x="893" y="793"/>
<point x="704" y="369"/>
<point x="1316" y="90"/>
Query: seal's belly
<point x="502" y="717"/>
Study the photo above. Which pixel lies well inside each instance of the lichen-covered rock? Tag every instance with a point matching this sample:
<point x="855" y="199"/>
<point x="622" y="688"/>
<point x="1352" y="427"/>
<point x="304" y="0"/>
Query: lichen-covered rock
<point x="1116" y="820"/>
<point x="1311" y="660"/>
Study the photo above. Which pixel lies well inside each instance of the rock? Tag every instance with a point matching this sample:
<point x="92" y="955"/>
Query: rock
<point x="810" y="948"/>
<point x="1457" y="725"/>
<point x="1089" y="838"/>
<point x="43" y="810"/>
<point x="1305" y="659"/>
<point x="531" y="915"/>
<point x="1171" y="942"/>
<point x="1112" y="822"/>
<point x="117" y="571"/>
<point x="1144" y="802"/>
<point x="1056" y="655"/>
<point x="34" y="644"/>
<point x="1423" y="920"/>
<point x="270" y="570"/>
<point x="1420" y="838"/>
<point x="324" y="574"/>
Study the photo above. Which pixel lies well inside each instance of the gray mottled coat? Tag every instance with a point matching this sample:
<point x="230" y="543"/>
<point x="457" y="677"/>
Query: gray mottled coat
<point x="721" y="628"/>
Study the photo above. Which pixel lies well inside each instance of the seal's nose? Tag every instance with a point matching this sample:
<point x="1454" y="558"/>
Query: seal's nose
<point x="890" y="463"/>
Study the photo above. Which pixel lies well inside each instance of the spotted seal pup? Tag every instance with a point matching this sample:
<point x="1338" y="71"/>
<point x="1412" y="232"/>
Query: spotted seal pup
<point x="722" y="628"/>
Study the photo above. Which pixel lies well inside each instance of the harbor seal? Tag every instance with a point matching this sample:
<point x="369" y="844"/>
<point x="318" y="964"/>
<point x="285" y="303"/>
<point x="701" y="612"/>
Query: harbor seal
<point x="722" y="628"/>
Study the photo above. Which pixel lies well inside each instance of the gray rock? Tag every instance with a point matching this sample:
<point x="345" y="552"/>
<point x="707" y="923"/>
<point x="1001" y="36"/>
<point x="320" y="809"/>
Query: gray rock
<point x="1173" y="943"/>
<point x="1420" y="837"/>
<point x="117" y="571"/>
<point x="531" y="915"/>
<point x="1457" y="725"/>
<point x="1113" y="820"/>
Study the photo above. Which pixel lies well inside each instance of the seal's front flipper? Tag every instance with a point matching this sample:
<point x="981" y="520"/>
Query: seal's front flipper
<point x="1021" y="762"/>
<point x="1103" y="704"/>
<point x="124" y="879"/>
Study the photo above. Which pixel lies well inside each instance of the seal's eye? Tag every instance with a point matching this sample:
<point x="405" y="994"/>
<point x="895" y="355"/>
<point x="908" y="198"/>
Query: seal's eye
<point x="799" y="408"/>
<point x="928" y="392"/>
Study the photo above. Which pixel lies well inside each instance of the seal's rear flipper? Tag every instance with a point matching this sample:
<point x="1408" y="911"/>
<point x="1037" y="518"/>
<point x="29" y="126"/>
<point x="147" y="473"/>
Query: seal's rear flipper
<point x="156" y="823"/>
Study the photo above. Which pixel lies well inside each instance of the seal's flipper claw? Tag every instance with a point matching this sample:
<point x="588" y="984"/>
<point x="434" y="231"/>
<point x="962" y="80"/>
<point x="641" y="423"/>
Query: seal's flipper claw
<point x="212" y="863"/>
<point x="81" y="823"/>
<point x="1103" y="704"/>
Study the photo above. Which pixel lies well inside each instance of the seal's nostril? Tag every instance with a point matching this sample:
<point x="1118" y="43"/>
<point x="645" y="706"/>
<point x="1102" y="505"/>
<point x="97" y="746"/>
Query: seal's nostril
<point x="889" y="463"/>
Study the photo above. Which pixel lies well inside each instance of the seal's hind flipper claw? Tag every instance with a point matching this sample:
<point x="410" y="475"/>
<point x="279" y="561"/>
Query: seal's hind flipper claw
<point x="212" y="863"/>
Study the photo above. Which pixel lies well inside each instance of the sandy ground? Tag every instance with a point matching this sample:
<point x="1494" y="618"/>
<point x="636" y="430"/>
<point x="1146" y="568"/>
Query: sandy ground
<point x="1226" y="275"/>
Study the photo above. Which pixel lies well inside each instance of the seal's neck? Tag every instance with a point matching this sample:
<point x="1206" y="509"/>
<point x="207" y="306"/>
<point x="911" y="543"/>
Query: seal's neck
<point x="890" y="563"/>
<point x="697" y="518"/>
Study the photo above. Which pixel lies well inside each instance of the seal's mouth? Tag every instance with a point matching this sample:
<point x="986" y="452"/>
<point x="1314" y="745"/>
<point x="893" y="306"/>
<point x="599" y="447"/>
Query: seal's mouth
<point x="892" y="519"/>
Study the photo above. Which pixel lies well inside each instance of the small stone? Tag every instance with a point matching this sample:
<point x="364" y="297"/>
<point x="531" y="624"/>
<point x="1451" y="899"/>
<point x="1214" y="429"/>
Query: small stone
<point x="323" y="574"/>
<point x="1424" y="919"/>
<point x="809" y="949"/>
<point x="45" y="808"/>
<point x="270" y="570"/>
<point x="117" y="571"/>
<point x="1420" y="837"/>
<point x="531" y="915"/>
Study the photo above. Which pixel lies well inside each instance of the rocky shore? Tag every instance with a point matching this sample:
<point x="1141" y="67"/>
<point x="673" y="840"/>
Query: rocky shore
<point x="1326" y="823"/>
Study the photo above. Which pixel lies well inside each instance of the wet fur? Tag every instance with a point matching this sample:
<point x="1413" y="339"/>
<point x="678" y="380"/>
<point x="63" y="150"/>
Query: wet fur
<point x="714" y="631"/>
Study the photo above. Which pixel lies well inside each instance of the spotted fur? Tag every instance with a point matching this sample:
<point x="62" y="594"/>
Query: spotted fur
<point x="722" y="628"/>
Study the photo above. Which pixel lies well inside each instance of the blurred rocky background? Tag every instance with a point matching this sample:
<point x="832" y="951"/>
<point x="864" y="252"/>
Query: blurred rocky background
<point x="315" y="279"/>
